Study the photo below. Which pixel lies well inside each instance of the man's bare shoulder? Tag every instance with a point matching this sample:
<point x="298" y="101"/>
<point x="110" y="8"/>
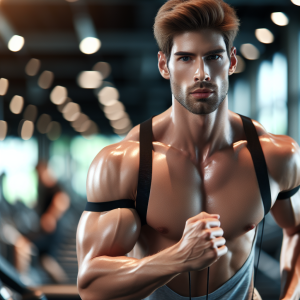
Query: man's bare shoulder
<point x="282" y="155"/>
<point x="113" y="174"/>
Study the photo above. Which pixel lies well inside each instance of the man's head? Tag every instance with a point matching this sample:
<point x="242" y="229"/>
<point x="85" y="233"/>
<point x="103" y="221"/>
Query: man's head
<point x="186" y="32"/>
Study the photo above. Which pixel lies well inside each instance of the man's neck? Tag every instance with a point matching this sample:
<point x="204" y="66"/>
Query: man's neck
<point x="198" y="136"/>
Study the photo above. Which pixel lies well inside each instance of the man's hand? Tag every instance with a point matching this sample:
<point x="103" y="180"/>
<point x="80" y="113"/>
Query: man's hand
<point x="202" y="243"/>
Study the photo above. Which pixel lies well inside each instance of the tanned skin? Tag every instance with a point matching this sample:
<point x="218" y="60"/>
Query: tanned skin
<point x="204" y="202"/>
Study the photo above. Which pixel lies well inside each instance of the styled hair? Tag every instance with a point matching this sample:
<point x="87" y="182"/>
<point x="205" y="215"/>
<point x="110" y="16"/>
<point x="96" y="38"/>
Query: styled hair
<point x="178" y="16"/>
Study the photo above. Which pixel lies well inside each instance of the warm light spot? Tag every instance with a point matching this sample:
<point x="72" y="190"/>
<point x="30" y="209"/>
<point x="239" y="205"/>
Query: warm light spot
<point x="32" y="67"/>
<point x="59" y="95"/>
<point x="296" y="2"/>
<point x="16" y="104"/>
<point x="53" y="131"/>
<point x="62" y="106"/>
<point x="27" y="130"/>
<point x="3" y="86"/>
<point x="117" y="115"/>
<point x="30" y="113"/>
<point x="3" y="130"/>
<point x="107" y="94"/>
<point x="16" y="43"/>
<point x="264" y="35"/>
<point x="71" y="111"/>
<point x="241" y="65"/>
<point x="249" y="51"/>
<point x="78" y="123"/>
<point x="43" y="123"/>
<point x="93" y="129"/>
<point x="122" y="131"/>
<point x="279" y="18"/>
<point x="102" y="67"/>
<point x="46" y="79"/>
<point x="111" y="109"/>
<point x="85" y="126"/>
<point x="121" y="124"/>
<point x="89" y="79"/>
<point x="89" y="45"/>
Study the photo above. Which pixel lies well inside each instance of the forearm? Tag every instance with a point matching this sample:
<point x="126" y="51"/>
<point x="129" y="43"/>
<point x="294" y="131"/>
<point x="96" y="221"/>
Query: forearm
<point x="126" y="278"/>
<point x="290" y="265"/>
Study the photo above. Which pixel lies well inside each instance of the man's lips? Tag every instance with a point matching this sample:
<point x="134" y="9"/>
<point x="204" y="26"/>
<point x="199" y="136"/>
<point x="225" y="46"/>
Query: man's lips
<point x="202" y="93"/>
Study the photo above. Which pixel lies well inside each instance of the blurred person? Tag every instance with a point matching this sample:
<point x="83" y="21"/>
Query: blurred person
<point x="160" y="233"/>
<point x="51" y="205"/>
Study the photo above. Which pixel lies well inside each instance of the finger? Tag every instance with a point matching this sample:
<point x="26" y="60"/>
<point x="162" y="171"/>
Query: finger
<point x="218" y="242"/>
<point x="222" y="250"/>
<point x="212" y="233"/>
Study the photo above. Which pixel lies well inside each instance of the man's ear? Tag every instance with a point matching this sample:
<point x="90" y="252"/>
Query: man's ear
<point x="163" y="65"/>
<point x="233" y="61"/>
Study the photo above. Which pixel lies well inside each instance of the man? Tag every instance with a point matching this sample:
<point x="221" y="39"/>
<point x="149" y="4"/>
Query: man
<point x="205" y="191"/>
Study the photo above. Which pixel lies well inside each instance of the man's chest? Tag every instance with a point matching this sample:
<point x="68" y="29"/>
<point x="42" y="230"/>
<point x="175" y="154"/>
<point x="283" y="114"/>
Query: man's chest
<point x="226" y="185"/>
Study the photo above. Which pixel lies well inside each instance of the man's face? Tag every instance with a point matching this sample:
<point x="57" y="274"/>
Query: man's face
<point x="199" y="60"/>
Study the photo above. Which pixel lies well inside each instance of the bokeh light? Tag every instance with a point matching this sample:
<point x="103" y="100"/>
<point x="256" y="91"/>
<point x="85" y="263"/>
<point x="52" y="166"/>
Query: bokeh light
<point x="89" y="79"/>
<point x="102" y="67"/>
<point x="279" y="18"/>
<point x="79" y="122"/>
<point x="111" y="109"/>
<point x="296" y="2"/>
<point x="16" y="104"/>
<point x="16" y="43"/>
<point x="59" y="95"/>
<point x="89" y="45"/>
<point x="264" y="35"/>
<point x="3" y="86"/>
<point x="53" y="131"/>
<point x="46" y="79"/>
<point x="249" y="51"/>
<point x="71" y="111"/>
<point x="27" y="130"/>
<point x="107" y="94"/>
<point x="3" y="130"/>
<point x="30" y="113"/>
<point x="43" y="123"/>
<point x="32" y="67"/>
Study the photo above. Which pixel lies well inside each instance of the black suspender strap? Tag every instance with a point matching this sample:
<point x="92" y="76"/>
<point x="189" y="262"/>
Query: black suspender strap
<point x="145" y="170"/>
<point x="259" y="162"/>
<point x="109" y="205"/>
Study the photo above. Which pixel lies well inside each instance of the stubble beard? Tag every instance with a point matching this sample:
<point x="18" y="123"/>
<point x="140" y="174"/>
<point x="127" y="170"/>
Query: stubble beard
<point x="200" y="106"/>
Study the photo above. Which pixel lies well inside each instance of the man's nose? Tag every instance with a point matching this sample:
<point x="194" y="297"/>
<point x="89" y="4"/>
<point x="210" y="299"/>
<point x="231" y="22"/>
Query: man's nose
<point x="201" y="73"/>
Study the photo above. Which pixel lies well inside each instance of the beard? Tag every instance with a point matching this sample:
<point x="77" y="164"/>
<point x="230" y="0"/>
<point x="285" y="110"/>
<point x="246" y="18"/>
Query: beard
<point x="202" y="106"/>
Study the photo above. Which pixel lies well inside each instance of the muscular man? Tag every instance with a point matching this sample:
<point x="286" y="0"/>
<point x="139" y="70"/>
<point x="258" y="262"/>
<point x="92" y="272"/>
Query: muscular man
<point x="208" y="188"/>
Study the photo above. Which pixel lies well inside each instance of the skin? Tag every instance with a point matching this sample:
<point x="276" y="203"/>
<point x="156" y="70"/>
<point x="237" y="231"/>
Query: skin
<point x="204" y="191"/>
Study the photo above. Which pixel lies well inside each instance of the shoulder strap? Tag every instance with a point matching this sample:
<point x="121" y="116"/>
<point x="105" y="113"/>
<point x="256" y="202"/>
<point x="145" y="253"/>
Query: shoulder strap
<point x="259" y="162"/>
<point x="145" y="170"/>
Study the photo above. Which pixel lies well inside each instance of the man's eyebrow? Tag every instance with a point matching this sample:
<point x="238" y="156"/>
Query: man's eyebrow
<point x="193" y="54"/>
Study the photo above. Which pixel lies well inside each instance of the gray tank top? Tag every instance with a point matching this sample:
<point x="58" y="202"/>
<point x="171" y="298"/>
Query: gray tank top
<point x="238" y="287"/>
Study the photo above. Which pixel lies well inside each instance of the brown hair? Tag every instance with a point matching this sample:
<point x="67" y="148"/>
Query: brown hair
<point x="177" y="16"/>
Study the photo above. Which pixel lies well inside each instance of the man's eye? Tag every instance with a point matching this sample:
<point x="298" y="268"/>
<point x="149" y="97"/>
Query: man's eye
<point x="185" y="58"/>
<point x="213" y="57"/>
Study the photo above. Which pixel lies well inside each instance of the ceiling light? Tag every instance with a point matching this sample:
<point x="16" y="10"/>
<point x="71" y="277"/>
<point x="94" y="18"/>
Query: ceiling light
<point x="46" y="79"/>
<point x="241" y="65"/>
<point x="3" y="86"/>
<point x="3" y="130"/>
<point x="264" y="35"/>
<point x="71" y="111"/>
<point x="43" y="122"/>
<point x="16" y="43"/>
<point x="89" y="45"/>
<point x="89" y="79"/>
<point x="27" y="130"/>
<point x="107" y="94"/>
<point x="102" y="67"/>
<point x="30" y="113"/>
<point x="279" y="18"/>
<point x="32" y="67"/>
<point x="16" y="104"/>
<point x="59" y="95"/>
<point x="296" y="2"/>
<point x="249" y="51"/>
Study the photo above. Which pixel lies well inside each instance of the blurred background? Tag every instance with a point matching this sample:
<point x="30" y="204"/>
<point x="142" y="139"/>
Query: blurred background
<point x="76" y="76"/>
